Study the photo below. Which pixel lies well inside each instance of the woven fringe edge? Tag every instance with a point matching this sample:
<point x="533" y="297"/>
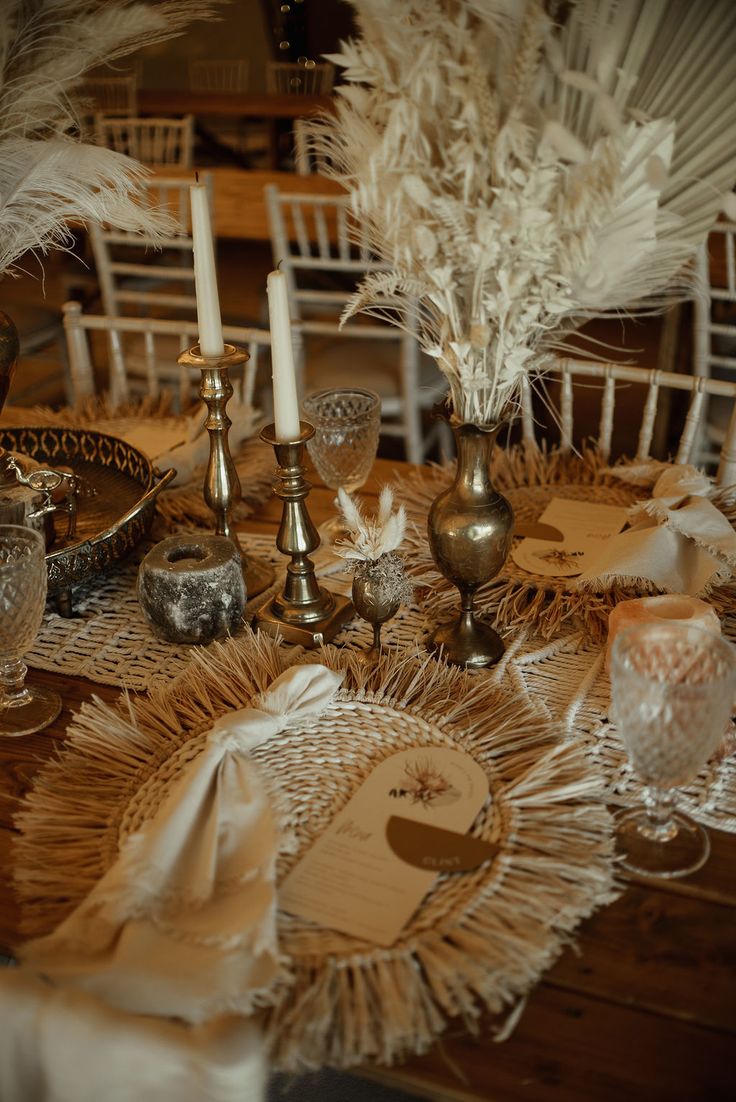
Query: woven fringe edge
<point x="360" y="1003"/>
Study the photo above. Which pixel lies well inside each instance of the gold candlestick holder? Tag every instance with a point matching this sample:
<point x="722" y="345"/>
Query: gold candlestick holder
<point x="222" y="489"/>
<point x="305" y="612"/>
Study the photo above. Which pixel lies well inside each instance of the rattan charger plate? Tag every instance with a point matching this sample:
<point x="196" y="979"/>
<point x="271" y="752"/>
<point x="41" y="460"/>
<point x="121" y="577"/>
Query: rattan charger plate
<point x="479" y="940"/>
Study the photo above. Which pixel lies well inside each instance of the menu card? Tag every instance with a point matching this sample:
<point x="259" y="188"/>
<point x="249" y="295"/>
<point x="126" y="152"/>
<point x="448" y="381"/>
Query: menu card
<point x="350" y="879"/>
<point x="585" y="526"/>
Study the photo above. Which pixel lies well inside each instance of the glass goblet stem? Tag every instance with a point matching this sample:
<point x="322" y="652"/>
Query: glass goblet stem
<point x="13" y="690"/>
<point x="660" y="825"/>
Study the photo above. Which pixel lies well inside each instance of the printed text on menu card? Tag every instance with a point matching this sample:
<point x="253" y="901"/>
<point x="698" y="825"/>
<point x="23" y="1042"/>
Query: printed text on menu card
<point x="350" y="879"/>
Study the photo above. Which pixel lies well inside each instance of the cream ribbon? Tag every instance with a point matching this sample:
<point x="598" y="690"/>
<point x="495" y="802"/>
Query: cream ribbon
<point x="678" y="539"/>
<point x="183" y="924"/>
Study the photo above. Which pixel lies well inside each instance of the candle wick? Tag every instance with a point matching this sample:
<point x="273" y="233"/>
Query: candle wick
<point x="280" y="263"/>
<point x="196" y="177"/>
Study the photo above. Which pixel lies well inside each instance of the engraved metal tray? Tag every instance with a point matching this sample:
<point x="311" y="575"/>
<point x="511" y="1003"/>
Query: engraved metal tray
<point x="114" y="511"/>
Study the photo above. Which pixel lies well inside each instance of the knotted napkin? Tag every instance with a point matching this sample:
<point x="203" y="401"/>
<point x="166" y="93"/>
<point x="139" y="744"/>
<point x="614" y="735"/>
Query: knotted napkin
<point x="183" y="924"/>
<point x="677" y="540"/>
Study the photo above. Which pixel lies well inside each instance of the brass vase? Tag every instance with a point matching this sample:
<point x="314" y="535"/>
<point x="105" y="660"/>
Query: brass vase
<point x="470" y="527"/>
<point x="376" y="603"/>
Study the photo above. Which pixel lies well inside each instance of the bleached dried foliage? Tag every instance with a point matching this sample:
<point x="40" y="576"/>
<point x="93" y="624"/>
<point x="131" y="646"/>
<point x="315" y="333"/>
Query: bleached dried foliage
<point x="48" y="178"/>
<point x="368" y="539"/>
<point x="523" y="166"/>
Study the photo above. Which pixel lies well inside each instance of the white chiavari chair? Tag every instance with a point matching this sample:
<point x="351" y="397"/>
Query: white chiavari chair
<point x="292" y="78"/>
<point x="105" y="366"/>
<point x="219" y="75"/>
<point x="714" y="328"/>
<point x="313" y="241"/>
<point x="615" y="380"/>
<point x="153" y="142"/>
<point x="112" y="95"/>
<point x="133" y="277"/>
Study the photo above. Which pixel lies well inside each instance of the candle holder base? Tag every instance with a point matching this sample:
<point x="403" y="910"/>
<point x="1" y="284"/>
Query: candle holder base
<point x="304" y="612"/>
<point x="276" y="618"/>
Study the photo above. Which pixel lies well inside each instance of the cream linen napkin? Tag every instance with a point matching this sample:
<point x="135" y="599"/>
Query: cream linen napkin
<point x="187" y="446"/>
<point x="184" y="922"/>
<point x="678" y="539"/>
<point x="61" y="1045"/>
<point x="183" y="925"/>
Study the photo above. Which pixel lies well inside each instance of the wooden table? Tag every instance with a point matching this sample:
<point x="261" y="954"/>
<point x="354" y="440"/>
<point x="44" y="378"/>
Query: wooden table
<point x="645" y="1010"/>
<point x="273" y="110"/>
<point x="239" y="206"/>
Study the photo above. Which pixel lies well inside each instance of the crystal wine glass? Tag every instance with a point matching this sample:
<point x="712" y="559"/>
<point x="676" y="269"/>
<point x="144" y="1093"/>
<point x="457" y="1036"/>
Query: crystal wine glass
<point x="343" y="449"/>
<point x="672" y="690"/>
<point x="23" y="708"/>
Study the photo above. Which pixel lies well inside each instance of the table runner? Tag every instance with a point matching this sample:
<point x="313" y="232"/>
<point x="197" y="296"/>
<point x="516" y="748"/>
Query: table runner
<point x="109" y="641"/>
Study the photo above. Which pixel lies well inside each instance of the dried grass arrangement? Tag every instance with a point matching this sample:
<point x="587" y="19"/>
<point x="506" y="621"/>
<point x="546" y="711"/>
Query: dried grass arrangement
<point x="522" y="166"/>
<point x="48" y="177"/>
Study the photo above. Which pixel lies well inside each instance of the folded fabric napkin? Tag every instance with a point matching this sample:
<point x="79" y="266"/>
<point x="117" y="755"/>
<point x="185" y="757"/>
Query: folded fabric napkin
<point x="677" y="540"/>
<point x="62" y="1045"/>
<point x="186" y="445"/>
<point x="183" y="924"/>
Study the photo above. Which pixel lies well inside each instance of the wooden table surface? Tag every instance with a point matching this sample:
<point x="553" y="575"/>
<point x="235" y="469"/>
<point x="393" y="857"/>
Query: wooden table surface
<point x="643" y="1008"/>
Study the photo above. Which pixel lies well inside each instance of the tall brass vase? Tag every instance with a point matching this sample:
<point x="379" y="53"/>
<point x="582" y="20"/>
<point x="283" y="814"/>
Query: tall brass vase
<point x="470" y="527"/>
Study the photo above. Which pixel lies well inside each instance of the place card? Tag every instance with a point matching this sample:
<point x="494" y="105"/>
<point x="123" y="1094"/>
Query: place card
<point x="351" y="880"/>
<point x="585" y="526"/>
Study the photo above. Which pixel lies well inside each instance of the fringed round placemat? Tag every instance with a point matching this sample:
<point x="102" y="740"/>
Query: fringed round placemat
<point x="479" y="940"/>
<point x="516" y="597"/>
<point x="178" y="506"/>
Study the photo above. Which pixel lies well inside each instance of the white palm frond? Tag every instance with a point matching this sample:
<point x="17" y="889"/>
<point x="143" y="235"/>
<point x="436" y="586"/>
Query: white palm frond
<point x="519" y="173"/>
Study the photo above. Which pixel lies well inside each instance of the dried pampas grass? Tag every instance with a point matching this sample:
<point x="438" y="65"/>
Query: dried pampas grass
<point x="521" y="167"/>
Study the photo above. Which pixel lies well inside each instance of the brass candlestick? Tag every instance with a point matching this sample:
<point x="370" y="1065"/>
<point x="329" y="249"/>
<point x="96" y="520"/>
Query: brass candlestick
<point x="221" y="483"/>
<point x="305" y="612"/>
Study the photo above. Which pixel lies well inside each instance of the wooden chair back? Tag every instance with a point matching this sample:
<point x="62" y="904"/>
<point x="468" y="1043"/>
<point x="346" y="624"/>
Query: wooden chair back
<point x="156" y="369"/>
<point x="612" y="379"/>
<point x="153" y="142"/>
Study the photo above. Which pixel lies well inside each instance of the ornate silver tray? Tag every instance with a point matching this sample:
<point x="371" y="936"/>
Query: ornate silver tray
<point x="115" y="510"/>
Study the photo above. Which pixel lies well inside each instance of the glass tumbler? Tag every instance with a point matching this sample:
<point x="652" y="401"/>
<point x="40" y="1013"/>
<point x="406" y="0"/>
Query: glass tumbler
<point x="343" y="449"/>
<point x="673" y="689"/>
<point x="23" y="709"/>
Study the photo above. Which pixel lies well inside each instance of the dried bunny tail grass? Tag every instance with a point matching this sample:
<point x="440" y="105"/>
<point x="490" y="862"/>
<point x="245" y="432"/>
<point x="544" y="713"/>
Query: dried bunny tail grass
<point x="479" y="941"/>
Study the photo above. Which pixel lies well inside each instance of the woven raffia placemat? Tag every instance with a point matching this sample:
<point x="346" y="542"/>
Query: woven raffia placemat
<point x="479" y="941"/>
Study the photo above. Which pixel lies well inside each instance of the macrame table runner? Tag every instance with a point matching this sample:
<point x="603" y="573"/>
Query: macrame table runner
<point x="478" y="941"/>
<point x="176" y="506"/>
<point x="109" y="641"/>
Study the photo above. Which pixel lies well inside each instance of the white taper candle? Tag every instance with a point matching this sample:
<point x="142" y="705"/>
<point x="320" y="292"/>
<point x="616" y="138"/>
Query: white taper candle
<point x="285" y="401"/>
<point x="205" y="275"/>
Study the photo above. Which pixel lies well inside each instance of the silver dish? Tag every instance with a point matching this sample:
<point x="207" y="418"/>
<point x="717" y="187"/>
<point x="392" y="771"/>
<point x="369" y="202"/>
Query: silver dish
<point x="114" y="511"/>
